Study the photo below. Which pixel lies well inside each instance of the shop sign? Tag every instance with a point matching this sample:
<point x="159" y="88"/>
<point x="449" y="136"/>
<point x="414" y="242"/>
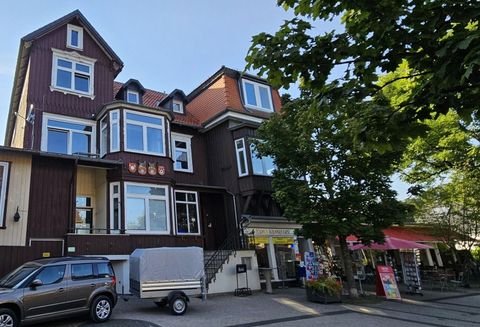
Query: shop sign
<point x="270" y="231"/>
<point x="275" y="240"/>
<point x="386" y="283"/>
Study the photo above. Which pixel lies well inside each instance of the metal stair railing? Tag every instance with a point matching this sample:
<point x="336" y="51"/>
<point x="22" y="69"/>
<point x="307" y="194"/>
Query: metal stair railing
<point x="232" y="243"/>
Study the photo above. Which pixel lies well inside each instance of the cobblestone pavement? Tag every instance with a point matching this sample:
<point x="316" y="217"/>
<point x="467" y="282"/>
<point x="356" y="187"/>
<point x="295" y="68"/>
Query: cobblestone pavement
<point x="289" y="307"/>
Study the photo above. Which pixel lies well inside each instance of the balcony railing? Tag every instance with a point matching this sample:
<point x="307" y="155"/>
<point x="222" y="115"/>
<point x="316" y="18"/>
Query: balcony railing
<point x="97" y="231"/>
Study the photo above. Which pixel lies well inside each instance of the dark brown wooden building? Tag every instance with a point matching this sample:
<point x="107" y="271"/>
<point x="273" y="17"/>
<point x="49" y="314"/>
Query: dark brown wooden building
<point x="96" y="167"/>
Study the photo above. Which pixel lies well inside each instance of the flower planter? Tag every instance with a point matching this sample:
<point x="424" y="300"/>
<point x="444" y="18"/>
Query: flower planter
<point x="322" y="297"/>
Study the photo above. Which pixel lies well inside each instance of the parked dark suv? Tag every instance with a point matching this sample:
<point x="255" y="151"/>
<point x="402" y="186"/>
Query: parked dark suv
<point x="51" y="288"/>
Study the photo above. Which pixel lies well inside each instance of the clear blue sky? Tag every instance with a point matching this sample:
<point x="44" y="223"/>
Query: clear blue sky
<point x="164" y="44"/>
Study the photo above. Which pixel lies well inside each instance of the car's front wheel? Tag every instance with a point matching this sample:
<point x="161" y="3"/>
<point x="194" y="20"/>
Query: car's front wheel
<point x="8" y="318"/>
<point x="101" y="309"/>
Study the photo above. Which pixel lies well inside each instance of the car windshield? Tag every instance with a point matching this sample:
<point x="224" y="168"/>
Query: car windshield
<point x="16" y="276"/>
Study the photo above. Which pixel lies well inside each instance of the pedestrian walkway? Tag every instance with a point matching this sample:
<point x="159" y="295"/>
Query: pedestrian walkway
<point x="289" y="307"/>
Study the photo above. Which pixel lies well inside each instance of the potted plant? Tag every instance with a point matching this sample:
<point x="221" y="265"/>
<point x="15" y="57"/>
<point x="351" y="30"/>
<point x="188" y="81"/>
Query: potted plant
<point x="324" y="290"/>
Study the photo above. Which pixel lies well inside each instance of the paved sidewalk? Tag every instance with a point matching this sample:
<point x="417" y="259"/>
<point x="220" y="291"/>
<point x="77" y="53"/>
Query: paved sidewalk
<point x="289" y="307"/>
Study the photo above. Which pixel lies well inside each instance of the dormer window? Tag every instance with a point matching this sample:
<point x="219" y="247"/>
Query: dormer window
<point x="257" y="96"/>
<point x="74" y="37"/>
<point x="178" y="106"/>
<point x="133" y="97"/>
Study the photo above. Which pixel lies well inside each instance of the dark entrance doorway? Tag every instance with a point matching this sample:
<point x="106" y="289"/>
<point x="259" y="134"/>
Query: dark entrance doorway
<point x="213" y="220"/>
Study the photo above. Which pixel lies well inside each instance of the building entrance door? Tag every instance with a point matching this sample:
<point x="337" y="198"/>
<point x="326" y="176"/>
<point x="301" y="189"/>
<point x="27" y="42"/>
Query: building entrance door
<point x="213" y="220"/>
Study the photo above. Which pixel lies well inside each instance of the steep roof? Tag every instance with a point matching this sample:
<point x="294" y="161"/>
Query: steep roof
<point x="76" y="14"/>
<point x="24" y="55"/>
<point x="221" y="92"/>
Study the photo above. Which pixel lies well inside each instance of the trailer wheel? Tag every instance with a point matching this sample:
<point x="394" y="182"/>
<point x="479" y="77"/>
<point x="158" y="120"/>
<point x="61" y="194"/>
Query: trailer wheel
<point x="178" y="305"/>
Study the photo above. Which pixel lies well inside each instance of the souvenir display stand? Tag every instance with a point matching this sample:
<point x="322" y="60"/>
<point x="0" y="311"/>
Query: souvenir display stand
<point x="411" y="271"/>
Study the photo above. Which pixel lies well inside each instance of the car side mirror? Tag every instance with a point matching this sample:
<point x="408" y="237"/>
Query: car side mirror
<point x="36" y="283"/>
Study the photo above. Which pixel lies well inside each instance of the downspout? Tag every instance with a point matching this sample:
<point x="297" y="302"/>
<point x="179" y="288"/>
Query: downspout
<point x="234" y="208"/>
<point x="73" y="186"/>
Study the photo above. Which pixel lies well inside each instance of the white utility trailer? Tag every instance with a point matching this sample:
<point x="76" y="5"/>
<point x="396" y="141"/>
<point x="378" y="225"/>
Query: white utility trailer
<point x="168" y="275"/>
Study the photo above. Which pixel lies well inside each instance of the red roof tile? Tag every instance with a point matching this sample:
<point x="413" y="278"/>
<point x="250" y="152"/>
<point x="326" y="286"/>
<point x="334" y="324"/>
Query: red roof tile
<point x="151" y="99"/>
<point x="222" y="94"/>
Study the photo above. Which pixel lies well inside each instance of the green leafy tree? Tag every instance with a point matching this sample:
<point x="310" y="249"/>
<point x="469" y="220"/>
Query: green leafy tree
<point x="451" y="146"/>
<point x="439" y="39"/>
<point x="347" y="190"/>
<point x="453" y="210"/>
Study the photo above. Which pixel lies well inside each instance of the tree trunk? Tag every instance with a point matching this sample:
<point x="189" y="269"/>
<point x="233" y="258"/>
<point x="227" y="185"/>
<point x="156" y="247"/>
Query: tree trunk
<point x="347" y="263"/>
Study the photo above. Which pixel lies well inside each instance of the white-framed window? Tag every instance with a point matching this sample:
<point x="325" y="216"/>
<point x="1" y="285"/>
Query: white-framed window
<point x="3" y="190"/>
<point x="241" y="157"/>
<point x="186" y="209"/>
<point x="103" y="136"/>
<point x="257" y="96"/>
<point x="133" y="96"/>
<point x="261" y="165"/>
<point x="74" y="37"/>
<point x="83" y="215"/>
<point x="144" y="133"/>
<point x="182" y="152"/>
<point x="146" y="208"/>
<point x="72" y="73"/>
<point x="114" y="130"/>
<point x="177" y="106"/>
<point x="115" y="212"/>
<point x="68" y="135"/>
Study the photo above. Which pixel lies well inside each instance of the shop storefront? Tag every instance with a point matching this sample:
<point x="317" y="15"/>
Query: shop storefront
<point x="276" y="245"/>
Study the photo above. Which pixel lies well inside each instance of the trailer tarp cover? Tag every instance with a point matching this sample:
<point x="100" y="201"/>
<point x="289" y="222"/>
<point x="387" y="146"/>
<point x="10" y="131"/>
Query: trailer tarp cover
<point x="166" y="263"/>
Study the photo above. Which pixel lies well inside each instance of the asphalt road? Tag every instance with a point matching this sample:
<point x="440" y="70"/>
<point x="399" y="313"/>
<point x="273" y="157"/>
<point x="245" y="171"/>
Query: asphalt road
<point x="289" y="307"/>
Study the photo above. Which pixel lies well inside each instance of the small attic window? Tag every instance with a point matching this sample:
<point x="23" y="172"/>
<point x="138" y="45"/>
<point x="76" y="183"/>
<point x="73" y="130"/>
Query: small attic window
<point x="133" y="97"/>
<point x="178" y="106"/>
<point x="74" y="37"/>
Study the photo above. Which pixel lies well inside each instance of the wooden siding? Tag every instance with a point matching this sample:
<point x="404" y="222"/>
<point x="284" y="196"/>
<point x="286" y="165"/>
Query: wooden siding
<point x="14" y="256"/>
<point x="40" y="77"/>
<point x="21" y="127"/>
<point x="51" y="197"/>
<point x="253" y="183"/>
<point x="221" y="157"/>
<point x="126" y="157"/>
<point x="125" y="244"/>
<point x="18" y="193"/>
<point x="199" y="159"/>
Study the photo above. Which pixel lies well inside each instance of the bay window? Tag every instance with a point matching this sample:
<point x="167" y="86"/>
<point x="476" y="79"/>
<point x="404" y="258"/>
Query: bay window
<point x="146" y="208"/>
<point x="241" y="157"/>
<point x="144" y="133"/>
<point x="103" y="136"/>
<point x="186" y="205"/>
<point x="261" y="165"/>
<point x="114" y="131"/>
